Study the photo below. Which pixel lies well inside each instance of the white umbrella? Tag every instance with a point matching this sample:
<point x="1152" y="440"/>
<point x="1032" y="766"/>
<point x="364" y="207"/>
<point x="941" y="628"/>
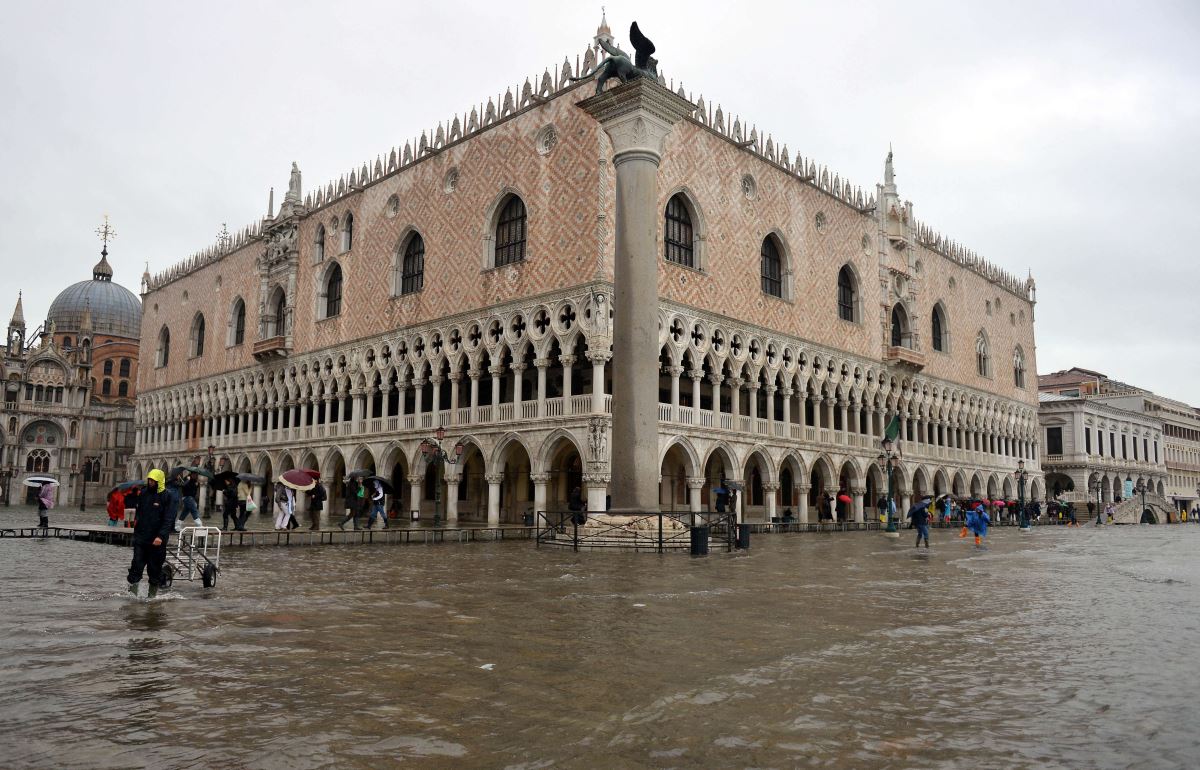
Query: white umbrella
<point x="37" y="481"/>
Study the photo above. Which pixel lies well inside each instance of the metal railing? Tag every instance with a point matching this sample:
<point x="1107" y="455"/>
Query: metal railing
<point x="658" y="531"/>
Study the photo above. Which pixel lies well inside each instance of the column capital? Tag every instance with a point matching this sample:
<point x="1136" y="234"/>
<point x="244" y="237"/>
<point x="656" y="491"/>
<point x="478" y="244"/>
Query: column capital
<point x="770" y="486"/>
<point x="599" y="356"/>
<point x="595" y="479"/>
<point x="539" y="478"/>
<point x="474" y="374"/>
<point x="496" y="370"/>
<point x="542" y="363"/>
<point x="494" y="478"/>
<point x="436" y="380"/>
<point x="419" y="382"/>
<point x="568" y="359"/>
<point x="675" y="371"/>
<point x="416" y="480"/>
<point x="637" y="116"/>
<point x="771" y="389"/>
<point x="716" y="379"/>
<point x="858" y="490"/>
<point x="455" y="376"/>
<point x="519" y="367"/>
<point x="696" y="482"/>
<point x="787" y="392"/>
<point x="803" y="488"/>
<point x="696" y="374"/>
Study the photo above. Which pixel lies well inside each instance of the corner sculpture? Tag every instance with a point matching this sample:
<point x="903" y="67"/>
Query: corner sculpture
<point x="618" y="64"/>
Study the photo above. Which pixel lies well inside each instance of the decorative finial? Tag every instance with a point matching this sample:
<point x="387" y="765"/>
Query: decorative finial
<point x="889" y="175"/>
<point x="106" y="234"/>
<point x="224" y="238"/>
<point x="18" y="316"/>
<point x="271" y="204"/>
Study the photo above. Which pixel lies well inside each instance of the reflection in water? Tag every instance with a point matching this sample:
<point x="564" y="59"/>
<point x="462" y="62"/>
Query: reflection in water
<point x="1064" y="649"/>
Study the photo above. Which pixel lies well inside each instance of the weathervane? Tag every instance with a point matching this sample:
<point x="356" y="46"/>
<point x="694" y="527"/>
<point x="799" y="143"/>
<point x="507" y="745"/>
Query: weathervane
<point x="106" y="234"/>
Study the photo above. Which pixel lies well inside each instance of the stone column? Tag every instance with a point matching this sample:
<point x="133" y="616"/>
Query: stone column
<point x="858" y="494"/>
<point x="637" y="116"/>
<point x="802" y="503"/>
<point x="598" y="358"/>
<point x="436" y="397"/>
<point x="787" y="409"/>
<point x="542" y="364"/>
<point x="540" y="481"/>
<point x="752" y="395"/>
<point x="357" y="402"/>
<point x="497" y="372"/>
<point x="494" y="480"/>
<point x="695" y="486"/>
<point x="474" y="375"/>
<point x="597" y="491"/>
<point x="716" y="380"/>
<point x="769" y="490"/>
<point x="735" y="398"/>
<point x="771" y="404"/>
<point x="697" y="375"/>
<point x="455" y="378"/>
<point x="567" y="362"/>
<point x="675" y="372"/>
<point x="416" y="483"/>
<point x="518" y="371"/>
<point x="450" y="495"/>
<point x="418" y="397"/>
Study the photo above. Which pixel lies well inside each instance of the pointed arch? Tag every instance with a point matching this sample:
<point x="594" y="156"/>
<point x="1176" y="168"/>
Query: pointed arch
<point x="939" y="332"/>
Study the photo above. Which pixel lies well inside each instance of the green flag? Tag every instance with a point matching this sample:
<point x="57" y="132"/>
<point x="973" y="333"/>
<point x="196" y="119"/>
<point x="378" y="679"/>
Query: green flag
<point x="892" y="431"/>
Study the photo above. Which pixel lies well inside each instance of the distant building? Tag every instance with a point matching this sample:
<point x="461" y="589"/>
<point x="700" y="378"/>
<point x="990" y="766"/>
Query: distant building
<point x="1174" y="470"/>
<point x="69" y="391"/>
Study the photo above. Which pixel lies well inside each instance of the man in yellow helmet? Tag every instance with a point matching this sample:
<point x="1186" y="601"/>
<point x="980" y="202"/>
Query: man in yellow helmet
<point x="155" y="521"/>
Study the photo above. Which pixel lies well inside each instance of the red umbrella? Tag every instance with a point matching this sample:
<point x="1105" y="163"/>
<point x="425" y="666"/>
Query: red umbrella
<point x="844" y="498"/>
<point x="311" y="473"/>
<point x="298" y="479"/>
<point x="999" y="503"/>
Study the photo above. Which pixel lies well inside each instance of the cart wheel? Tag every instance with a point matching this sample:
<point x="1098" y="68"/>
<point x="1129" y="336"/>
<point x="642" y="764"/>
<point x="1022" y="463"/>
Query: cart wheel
<point x="168" y="576"/>
<point x="209" y="576"/>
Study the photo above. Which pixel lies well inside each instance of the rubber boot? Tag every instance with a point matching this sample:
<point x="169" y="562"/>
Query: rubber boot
<point x="133" y="588"/>
<point x="44" y="522"/>
<point x="153" y="591"/>
<point x="978" y="541"/>
<point x="963" y="533"/>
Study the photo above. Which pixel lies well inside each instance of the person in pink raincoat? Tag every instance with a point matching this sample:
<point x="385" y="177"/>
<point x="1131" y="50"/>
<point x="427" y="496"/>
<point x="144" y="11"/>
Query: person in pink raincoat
<point x="45" y="503"/>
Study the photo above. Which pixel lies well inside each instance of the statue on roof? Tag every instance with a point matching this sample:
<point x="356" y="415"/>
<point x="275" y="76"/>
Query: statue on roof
<point x="619" y="65"/>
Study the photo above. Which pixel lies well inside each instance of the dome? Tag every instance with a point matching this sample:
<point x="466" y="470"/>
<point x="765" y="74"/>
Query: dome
<point x="114" y="309"/>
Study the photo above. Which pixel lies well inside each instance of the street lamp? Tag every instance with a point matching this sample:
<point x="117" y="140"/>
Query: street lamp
<point x="1022" y="474"/>
<point x="433" y="451"/>
<point x="7" y="473"/>
<point x="1097" y="486"/>
<point x="888" y="460"/>
<point x="1141" y="490"/>
<point x="88" y="464"/>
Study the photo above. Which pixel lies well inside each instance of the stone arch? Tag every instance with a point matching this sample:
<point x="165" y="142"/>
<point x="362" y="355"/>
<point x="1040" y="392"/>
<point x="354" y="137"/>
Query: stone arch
<point x="976" y="488"/>
<point x="941" y="483"/>
<point x="792" y="476"/>
<point x="491" y="219"/>
<point x="1035" y="489"/>
<point x="920" y="483"/>
<point x="758" y="471"/>
<point x="362" y="458"/>
<point x="687" y="451"/>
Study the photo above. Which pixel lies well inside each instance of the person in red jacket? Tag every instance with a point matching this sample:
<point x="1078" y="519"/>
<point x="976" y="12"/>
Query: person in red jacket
<point x="116" y="508"/>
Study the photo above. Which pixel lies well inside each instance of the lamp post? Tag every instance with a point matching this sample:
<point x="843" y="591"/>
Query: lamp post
<point x="7" y="472"/>
<point x="1141" y="490"/>
<point x="88" y="464"/>
<point x="1097" y="487"/>
<point x="433" y="451"/>
<point x="1021" y="474"/>
<point x="887" y="461"/>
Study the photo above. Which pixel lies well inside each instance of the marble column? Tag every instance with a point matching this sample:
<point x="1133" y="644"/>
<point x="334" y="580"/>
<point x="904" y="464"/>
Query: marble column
<point x="540" y="482"/>
<point x="567" y="362"/>
<point x="597" y="491"/>
<point x="769" y="491"/>
<point x="859" y="495"/>
<point x="493" y="514"/>
<point x="541" y="364"/>
<point x="695" y="486"/>
<point x="637" y="116"/>
<point x="416" y="483"/>
<point x="450" y="495"/>
<point x="598" y="359"/>
<point x="802" y="503"/>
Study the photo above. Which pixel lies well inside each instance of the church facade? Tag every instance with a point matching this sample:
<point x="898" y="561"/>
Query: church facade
<point x="69" y="392"/>
<point x="465" y="282"/>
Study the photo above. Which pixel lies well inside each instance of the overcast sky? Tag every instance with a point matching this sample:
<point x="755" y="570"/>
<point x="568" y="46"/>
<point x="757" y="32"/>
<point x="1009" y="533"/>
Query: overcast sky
<point x="1054" y="137"/>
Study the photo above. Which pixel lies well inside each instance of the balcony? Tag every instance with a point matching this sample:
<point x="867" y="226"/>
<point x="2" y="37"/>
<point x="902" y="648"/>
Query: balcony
<point x="905" y="357"/>
<point x="272" y="347"/>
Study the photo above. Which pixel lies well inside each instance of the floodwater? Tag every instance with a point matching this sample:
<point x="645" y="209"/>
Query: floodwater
<point x="1060" y="649"/>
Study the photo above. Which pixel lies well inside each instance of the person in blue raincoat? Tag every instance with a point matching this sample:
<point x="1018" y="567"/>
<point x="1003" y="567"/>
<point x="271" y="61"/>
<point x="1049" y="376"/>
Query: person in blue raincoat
<point x="980" y="524"/>
<point x="919" y="514"/>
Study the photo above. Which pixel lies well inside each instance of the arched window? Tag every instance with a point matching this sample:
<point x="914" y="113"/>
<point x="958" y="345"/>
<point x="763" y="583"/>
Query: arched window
<point x="280" y="311"/>
<point x="412" y="274"/>
<point x="123" y="389"/>
<point x="333" y="292"/>
<point x="937" y="331"/>
<point x="66" y="343"/>
<point x="237" y="323"/>
<point x="198" y="335"/>
<point x="677" y="233"/>
<point x="74" y="430"/>
<point x="901" y="338"/>
<point x="511" y="232"/>
<point x="163" y="355"/>
<point x="847" y="294"/>
<point x="348" y="232"/>
<point x="106" y="387"/>
<point x="124" y="370"/>
<point x="1019" y="367"/>
<point x="319" y="244"/>
<point x="37" y="461"/>
<point x="983" y="361"/>
<point x="772" y="267"/>
<point x="108" y="368"/>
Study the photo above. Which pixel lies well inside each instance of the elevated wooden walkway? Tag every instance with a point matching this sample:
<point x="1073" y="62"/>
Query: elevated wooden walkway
<point x="302" y="536"/>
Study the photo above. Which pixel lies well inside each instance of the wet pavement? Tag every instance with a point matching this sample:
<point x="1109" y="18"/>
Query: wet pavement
<point x="1065" y="648"/>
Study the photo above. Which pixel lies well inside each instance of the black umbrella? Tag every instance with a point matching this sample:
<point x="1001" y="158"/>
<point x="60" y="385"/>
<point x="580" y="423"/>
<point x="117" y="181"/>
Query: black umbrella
<point x="176" y="472"/>
<point x="225" y="477"/>
<point x="125" y="486"/>
<point x="387" y="487"/>
<point x="360" y="473"/>
<point x="196" y="470"/>
<point x="250" y="478"/>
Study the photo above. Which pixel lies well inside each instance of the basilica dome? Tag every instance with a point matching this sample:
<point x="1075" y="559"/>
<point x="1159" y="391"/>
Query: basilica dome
<point x="114" y="309"/>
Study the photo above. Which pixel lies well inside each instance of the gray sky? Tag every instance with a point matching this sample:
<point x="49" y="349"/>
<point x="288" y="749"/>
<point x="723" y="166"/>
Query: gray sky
<point x="1058" y="137"/>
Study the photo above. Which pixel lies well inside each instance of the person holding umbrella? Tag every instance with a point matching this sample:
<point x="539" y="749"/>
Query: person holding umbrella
<point x="355" y="501"/>
<point x="376" y="503"/>
<point x="285" y="505"/>
<point x="919" y="514"/>
<point x="189" y="492"/>
<point x="318" y="497"/>
<point x="296" y="480"/>
<point x="155" y="520"/>
<point x="45" y="503"/>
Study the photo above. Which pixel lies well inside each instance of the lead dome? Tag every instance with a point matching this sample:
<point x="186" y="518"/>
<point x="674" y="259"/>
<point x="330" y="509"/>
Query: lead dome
<point x="114" y="309"/>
